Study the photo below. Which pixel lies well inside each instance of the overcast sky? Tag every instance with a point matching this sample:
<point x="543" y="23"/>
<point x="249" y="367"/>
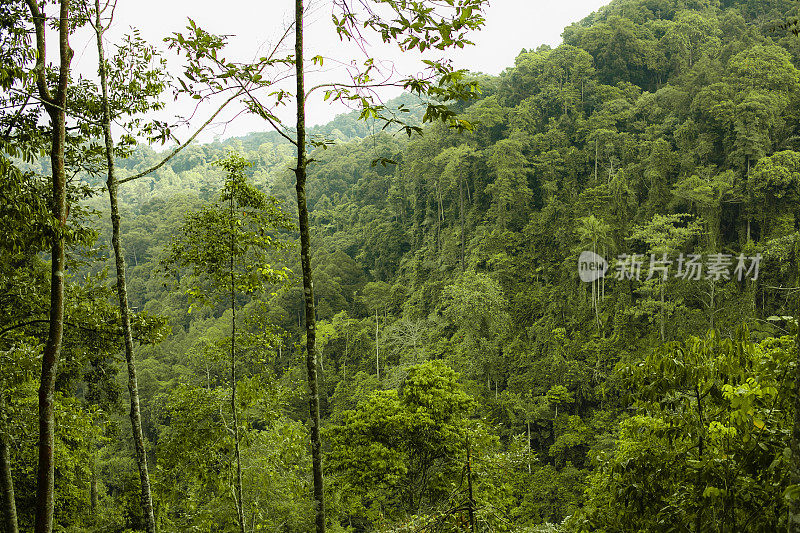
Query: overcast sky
<point x="511" y="25"/>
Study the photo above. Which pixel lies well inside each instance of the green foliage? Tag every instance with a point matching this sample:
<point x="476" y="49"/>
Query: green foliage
<point x="657" y="127"/>
<point x="194" y="480"/>
<point x="706" y="444"/>
<point x="774" y="186"/>
<point x="230" y="241"/>
<point x="399" y="451"/>
<point x="79" y="429"/>
<point x="475" y="310"/>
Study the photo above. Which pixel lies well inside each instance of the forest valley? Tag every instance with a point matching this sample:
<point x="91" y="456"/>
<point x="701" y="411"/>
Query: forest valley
<point x="461" y="375"/>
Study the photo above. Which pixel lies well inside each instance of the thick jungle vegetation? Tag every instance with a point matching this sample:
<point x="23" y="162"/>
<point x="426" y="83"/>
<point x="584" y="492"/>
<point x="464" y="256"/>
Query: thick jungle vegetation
<point x="467" y="375"/>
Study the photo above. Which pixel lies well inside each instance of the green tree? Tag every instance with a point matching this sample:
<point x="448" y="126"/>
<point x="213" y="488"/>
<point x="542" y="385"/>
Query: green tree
<point x="594" y="232"/>
<point x="689" y="37"/>
<point x="704" y="445"/>
<point x="707" y="192"/>
<point x="196" y="457"/>
<point x="411" y="26"/>
<point x="86" y="366"/>
<point x="227" y="247"/>
<point x="399" y="450"/>
<point x="665" y="236"/>
<point x="54" y="99"/>
<point x="623" y="50"/>
<point x="509" y="189"/>
<point x="137" y="83"/>
<point x="774" y="186"/>
<point x="475" y="306"/>
<point x="17" y="376"/>
<point x="456" y="170"/>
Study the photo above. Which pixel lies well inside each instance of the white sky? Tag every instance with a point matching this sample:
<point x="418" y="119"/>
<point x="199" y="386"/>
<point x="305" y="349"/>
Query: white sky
<point x="511" y="25"/>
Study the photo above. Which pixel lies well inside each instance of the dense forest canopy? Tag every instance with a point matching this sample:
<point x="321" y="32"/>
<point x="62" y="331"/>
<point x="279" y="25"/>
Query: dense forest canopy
<point x="576" y="312"/>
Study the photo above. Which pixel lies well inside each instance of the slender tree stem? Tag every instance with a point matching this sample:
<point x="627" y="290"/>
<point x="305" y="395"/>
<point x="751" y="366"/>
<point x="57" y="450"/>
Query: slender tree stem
<point x="54" y="105"/>
<point x="461" y="216"/>
<point x="700" y="451"/>
<point x="308" y="285"/>
<point x="471" y="504"/>
<point x="7" y="485"/>
<point x="93" y="496"/>
<point x="377" y="349"/>
<point x="794" y="468"/>
<point x="239" y="501"/>
<point x="122" y="289"/>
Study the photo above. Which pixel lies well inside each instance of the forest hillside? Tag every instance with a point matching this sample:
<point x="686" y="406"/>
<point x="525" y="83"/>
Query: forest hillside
<point x="577" y="316"/>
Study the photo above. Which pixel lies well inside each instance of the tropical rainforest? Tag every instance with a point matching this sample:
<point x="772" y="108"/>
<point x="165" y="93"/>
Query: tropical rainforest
<point x="462" y="374"/>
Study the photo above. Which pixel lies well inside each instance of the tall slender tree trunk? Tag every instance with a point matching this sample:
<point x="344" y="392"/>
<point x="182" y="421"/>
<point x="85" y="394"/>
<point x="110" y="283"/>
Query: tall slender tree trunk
<point x="794" y="469"/>
<point x="55" y="334"/>
<point x="461" y="216"/>
<point x="93" y="496"/>
<point x="471" y="503"/>
<point x="700" y="452"/>
<point x="9" y="509"/>
<point x="239" y="500"/>
<point x="7" y="488"/>
<point x="122" y="289"/>
<point x="528" y="454"/>
<point x="55" y="105"/>
<point x="663" y="312"/>
<point x="596" y="295"/>
<point x="712" y="304"/>
<point x="308" y="285"/>
<point x="377" y="352"/>
<point x="439" y="213"/>
<point x="596" y="153"/>
<point x="794" y="506"/>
